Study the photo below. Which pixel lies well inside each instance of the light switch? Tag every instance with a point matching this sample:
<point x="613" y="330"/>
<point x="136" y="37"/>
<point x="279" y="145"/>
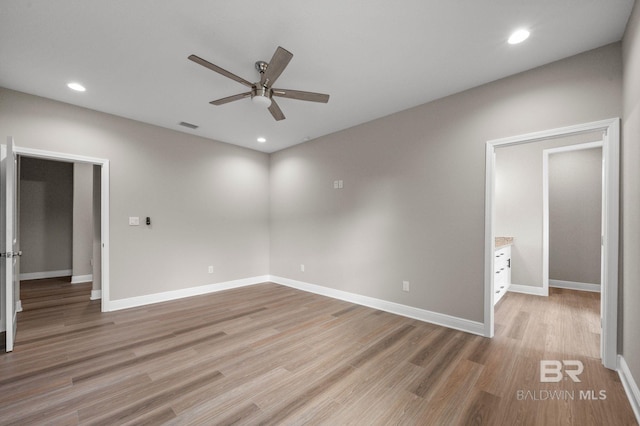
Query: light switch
<point x="134" y="221"/>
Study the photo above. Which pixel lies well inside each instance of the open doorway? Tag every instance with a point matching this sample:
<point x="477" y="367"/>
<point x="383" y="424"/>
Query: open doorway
<point x="609" y="238"/>
<point x="569" y="171"/>
<point x="572" y="216"/>
<point x="58" y="232"/>
<point x="10" y="252"/>
<point x="101" y="175"/>
<point x="100" y="210"/>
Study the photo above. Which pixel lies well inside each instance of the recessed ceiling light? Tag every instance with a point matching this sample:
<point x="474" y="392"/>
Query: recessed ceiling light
<point x="261" y="140"/>
<point x="518" y="36"/>
<point x="76" y="86"/>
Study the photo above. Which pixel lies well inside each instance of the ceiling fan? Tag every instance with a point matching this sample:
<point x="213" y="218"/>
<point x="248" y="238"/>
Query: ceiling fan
<point x="262" y="92"/>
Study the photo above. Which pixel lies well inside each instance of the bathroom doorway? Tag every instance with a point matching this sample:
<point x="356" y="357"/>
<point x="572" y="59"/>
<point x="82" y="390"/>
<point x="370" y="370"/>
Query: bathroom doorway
<point x="610" y="147"/>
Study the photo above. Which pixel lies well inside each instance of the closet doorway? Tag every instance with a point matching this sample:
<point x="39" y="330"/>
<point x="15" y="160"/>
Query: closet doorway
<point x="58" y="232"/>
<point x="9" y="154"/>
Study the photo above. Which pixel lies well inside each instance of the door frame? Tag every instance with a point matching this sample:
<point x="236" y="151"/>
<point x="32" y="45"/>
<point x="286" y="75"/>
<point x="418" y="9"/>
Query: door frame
<point x="104" y="204"/>
<point x="610" y="231"/>
<point x="10" y="266"/>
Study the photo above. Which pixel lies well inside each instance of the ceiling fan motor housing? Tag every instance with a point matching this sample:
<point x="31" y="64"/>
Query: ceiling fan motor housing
<point x="261" y="66"/>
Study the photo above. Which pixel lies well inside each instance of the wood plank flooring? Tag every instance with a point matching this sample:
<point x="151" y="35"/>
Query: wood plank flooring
<point x="50" y="292"/>
<point x="268" y="354"/>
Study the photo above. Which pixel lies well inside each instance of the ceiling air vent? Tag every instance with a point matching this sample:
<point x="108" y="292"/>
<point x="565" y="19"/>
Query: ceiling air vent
<point x="189" y="125"/>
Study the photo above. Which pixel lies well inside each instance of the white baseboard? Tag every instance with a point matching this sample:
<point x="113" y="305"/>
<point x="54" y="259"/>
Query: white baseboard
<point x="19" y="306"/>
<point x="78" y="279"/>
<point x="132" y="302"/>
<point x="630" y="386"/>
<point x="572" y="285"/>
<point x="45" y="274"/>
<point x="96" y="294"/>
<point x="527" y="289"/>
<point x="444" y="320"/>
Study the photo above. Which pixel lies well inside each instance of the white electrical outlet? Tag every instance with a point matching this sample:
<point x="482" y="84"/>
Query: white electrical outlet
<point x="211" y="269"/>
<point x="301" y="267"/>
<point x="405" y="285"/>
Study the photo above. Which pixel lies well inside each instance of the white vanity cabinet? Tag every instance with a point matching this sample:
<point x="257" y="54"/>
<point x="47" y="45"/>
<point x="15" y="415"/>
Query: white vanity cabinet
<point x="502" y="272"/>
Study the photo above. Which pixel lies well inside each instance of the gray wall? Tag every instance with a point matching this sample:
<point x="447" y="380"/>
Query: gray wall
<point x="208" y="200"/>
<point x="630" y="226"/>
<point x="518" y="204"/>
<point x="412" y="207"/>
<point x="82" y="219"/>
<point x="46" y="215"/>
<point x="575" y="216"/>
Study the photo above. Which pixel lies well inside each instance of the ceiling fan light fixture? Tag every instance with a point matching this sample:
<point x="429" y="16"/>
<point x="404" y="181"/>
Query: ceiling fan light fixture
<point x="261" y="95"/>
<point x="261" y="100"/>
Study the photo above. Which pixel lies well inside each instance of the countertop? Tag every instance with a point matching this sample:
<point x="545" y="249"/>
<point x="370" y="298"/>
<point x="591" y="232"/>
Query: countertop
<point x="503" y="242"/>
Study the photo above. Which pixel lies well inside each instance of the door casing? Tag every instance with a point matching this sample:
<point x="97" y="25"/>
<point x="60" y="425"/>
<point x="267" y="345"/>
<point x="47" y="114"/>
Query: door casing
<point x="104" y="204"/>
<point x="610" y="231"/>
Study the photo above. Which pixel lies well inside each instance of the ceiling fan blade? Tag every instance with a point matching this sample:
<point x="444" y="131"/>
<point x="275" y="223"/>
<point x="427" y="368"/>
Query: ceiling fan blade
<point x="300" y="95"/>
<point x="275" y="110"/>
<point x="230" y="98"/>
<point x="207" y="64"/>
<point x="278" y="63"/>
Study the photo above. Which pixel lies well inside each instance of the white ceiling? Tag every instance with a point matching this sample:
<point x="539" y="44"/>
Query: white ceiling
<point x="373" y="57"/>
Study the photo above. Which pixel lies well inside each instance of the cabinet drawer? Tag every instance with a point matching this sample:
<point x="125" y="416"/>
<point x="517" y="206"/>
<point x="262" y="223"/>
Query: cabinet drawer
<point x="503" y="253"/>
<point x="502" y="259"/>
<point x="501" y="276"/>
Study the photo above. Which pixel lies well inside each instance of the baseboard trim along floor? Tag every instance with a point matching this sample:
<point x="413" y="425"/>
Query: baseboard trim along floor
<point x="630" y="386"/>
<point x="444" y="320"/>
<point x="572" y="285"/>
<point x="132" y="302"/>
<point x="45" y="274"/>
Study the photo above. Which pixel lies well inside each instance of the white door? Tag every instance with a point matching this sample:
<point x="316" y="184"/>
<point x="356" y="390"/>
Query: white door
<point x="8" y="240"/>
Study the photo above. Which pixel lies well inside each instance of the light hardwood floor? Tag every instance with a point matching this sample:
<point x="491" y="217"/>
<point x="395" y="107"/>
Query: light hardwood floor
<point x="268" y="354"/>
